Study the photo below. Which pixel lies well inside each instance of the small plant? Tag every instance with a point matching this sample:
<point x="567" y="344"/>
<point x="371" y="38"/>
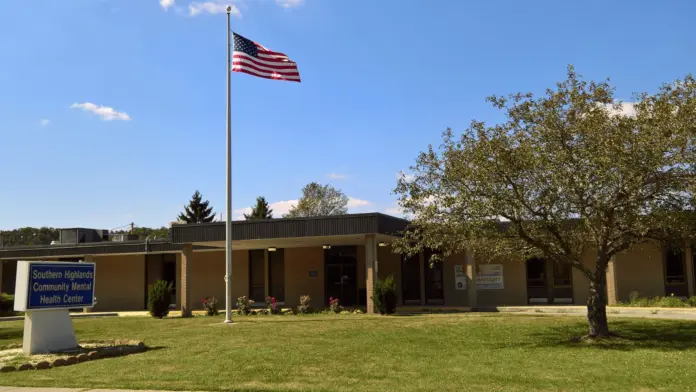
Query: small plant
<point x="272" y="306"/>
<point x="244" y="305"/>
<point x="384" y="296"/>
<point x="335" y="305"/>
<point x="158" y="297"/>
<point x="633" y="296"/>
<point x="6" y="304"/>
<point x="691" y="301"/>
<point x="305" y="306"/>
<point x="210" y="305"/>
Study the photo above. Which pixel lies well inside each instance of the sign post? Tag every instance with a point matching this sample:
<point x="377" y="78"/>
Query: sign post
<point x="46" y="291"/>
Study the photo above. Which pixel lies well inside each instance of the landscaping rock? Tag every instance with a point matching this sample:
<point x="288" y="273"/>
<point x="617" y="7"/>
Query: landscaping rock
<point x="82" y="358"/>
<point x="7" y="369"/>
<point x="70" y="360"/>
<point x="94" y="355"/>
<point x="26" y="366"/>
<point x="42" y="365"/>
<point x="58" y="362"/>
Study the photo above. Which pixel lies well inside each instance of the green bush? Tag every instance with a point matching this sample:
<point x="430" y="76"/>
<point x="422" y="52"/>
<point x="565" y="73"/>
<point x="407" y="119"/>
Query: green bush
<point x="210" y="306"/>
<point x="6" y="304"/>
<point x="305" y="305"/>
<point x="691" y="302"/>
<point x="244" y="305"/>
<point x="635" y="300"/>
<point x="384" y="296"/>
<point x="158" y="297"/>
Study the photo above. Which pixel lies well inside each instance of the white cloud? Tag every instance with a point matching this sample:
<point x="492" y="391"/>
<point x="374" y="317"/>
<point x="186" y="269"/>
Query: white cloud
<point x="44" y="122"/>
<point x="624" y="109"/>
<point x="337" y="176"/>
<point x="396" y="211"/>
<point x="166" y="4"/>
<point x="106" y="113"/>
<point x="212" y="7"/>
<point x="407" y="176"/>
<point x="354" y="202"/>
<point x="289" y="3"/>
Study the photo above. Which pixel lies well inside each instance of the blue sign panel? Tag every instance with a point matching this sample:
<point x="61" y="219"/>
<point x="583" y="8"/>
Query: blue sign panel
<point x="60" y="285"/>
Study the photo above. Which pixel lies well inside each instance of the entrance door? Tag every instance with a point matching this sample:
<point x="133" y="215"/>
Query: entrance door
<point x="410" y="280"/>
<point x="434" y="288"/>
<point x="537" y="288"/>
<point x="342" y="275"/>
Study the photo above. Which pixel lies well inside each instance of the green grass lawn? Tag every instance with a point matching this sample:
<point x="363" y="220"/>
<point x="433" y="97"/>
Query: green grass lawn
<point x="479" y="352"/>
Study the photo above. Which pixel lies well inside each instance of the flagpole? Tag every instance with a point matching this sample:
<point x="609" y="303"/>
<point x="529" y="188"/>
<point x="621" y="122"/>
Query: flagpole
<point x="228" y="222"/>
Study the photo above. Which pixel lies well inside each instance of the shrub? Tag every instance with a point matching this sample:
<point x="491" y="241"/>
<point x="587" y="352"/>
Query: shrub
<point x="210" y="305"/>
<point x="633" y="296"/>
<point x="671" y="302"/>
<point x="305" y="305"/>
<point x="158" y="297"/>
<point x="272" y="306"/>
<point x="244" y="305"/>
<point x="335" y="305"/>
<point x="691" y="301"/>
<point x="384" y="296"/>
<point x="6" y="304"/>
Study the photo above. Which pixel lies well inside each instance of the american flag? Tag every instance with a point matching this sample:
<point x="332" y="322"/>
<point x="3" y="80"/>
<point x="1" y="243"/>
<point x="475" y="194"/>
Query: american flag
<point x="252" y="58"/>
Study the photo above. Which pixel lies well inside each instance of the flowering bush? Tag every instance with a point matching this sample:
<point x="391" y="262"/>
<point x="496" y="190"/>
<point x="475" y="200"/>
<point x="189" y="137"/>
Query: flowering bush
<point x="305" y="305"/>
<point x="272" y="306"/>
<point x="210" y="305"/>
<point x="244" y="305"/>
<point x="334" y="305"/>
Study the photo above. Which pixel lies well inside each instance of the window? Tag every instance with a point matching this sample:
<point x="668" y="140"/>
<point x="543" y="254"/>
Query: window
<point x="675" y="272"/>
<point x="257" y="280"/>
<point x="536" y="274"/>
<point x="562" y="275"/>
<point x="276" y="274"/>
<point x="434" y="288"/>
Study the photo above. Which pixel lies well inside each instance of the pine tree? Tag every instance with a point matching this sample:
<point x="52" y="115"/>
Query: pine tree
<point x="197" y="211"/>
<point x="260" y="211"/>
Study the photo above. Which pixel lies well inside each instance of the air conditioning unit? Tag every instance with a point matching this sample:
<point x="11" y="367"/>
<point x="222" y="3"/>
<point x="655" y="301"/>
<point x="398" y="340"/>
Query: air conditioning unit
<point x="123" y="237"/>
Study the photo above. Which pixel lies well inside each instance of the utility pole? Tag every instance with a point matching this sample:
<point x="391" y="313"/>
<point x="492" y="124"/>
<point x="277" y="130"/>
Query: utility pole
<point x="132" y="225"/>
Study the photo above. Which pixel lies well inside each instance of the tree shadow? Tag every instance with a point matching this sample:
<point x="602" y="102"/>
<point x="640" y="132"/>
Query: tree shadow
<point x="661" y="335"/>
<point x="11" y="333"/>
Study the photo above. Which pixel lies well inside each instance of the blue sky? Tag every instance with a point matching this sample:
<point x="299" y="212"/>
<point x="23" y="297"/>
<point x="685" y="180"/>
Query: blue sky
<point x="113" y="111"/>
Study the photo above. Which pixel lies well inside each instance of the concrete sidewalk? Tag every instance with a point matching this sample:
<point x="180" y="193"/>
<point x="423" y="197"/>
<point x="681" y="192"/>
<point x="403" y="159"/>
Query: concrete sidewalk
<point x="30" y="389"/>
<point x="612" y="311"/>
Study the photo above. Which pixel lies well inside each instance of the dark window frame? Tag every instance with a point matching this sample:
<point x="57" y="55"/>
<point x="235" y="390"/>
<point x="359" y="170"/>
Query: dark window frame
<point x="274" y="288"/>
<point x="253" y="286"/>
<point x="666" y="259"/>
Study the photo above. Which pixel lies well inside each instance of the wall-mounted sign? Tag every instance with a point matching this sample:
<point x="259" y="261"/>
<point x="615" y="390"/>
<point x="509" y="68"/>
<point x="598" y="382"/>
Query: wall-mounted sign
<point x="313" y="273"/>
<point x="460" y="279"/>
<point x="489" y="277"/>
<point x="54" y="285"/>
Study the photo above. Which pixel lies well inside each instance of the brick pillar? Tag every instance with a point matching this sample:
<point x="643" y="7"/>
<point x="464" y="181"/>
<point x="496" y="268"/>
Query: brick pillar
<point x="266" y="273"/>
<point x="89" y="259"/>
<point x="370" y="275"/>
<point x="421" y="265"/>
<point x="186" y="258"/>
<point x="471" y="278"/>
<point x="689" y="261"/>
<point x="612" y="286"/>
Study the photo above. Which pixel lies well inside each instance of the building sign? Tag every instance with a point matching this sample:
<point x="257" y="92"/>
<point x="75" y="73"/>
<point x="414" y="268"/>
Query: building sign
<point x="46" y="285"/>
<point x="460" y="280"/>
<point x="489" y="277"/>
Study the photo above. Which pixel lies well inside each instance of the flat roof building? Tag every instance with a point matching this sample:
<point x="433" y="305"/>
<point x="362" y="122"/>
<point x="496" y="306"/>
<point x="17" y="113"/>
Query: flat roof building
<point x="339" y="257"/>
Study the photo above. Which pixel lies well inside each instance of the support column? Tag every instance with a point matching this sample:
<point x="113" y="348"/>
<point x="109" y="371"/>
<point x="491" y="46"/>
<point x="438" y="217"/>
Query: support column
<point x="471" y="277"/>
<point x="370" y="275"/>
<point x="548" y="266"/>
<point x="88" y="259"/>
<point x="421" y="265"/>
<point x="266" y="271"/>
<point x="612" y="286"/>
<point x="2" y="266"/>
<point x="689" y="263"/>
<point x="186" y="259"/>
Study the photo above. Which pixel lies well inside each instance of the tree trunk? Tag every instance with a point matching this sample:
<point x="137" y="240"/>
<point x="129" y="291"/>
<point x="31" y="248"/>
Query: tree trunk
<point x="597" y="303"/>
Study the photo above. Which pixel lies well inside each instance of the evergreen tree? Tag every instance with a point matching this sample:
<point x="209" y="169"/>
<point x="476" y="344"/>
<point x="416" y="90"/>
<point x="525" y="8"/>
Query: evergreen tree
<point x="260" y="211"/>
<point x="197" y="211"/>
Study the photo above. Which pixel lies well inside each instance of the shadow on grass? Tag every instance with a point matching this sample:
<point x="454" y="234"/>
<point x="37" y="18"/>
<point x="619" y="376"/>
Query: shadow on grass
<point x="659" y="335"/>
<point x="11" y="333"/>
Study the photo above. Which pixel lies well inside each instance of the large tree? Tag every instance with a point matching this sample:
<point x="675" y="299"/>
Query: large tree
<point x="197" y="211"/>
<point x="319" y="200"/>
<point x="569" y="172"/>
<point x="261" y="210"/>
